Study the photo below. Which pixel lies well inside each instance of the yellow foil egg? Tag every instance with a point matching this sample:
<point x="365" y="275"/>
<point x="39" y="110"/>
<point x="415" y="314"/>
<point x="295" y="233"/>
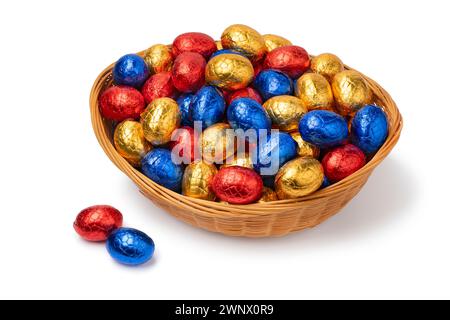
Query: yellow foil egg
<point x="285" y="112"/>
<point x="351" y="92"/>
<point x="273" y="41"/>
<point x="196" y="179"/>
<point x="239" y="159"/>
<point x="327" y="64"/>
<point x="244" y="39"/>
<point x="268" y="195"/>
<point x="130" y="142"/>
<point x="298" y="178"/>
<point x="305" y="149"/>
<point x="315" y="92"/>
<point x="159" y="58"/>
<point x="218" y="143"/>
<point x="161" y="117"/>
<point x="219" y="45"/>
<point x="229" y="71"/>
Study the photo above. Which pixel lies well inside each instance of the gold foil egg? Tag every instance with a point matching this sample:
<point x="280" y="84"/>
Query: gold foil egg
<point x="218" y="143"/>
<point x="327" y="64"/>
<point x="268" y="195"/>
<point x="285" y="112"/>
<point x="159" y="58"/>
<point x="305" y="149"/>
<point x="219" y="45"/>
<point x="229" y="71"/>
<point x="241" y="159"/>
<point x="196" y="179"/>
<point x="244" y="39"/>
<point x="160" y="119"/>
<point x="298" y="178"/>
<point x="315" y="92"/>
<point x="351" y="92"/>
<point x="130" y="142"/>
<point x="273" y="41"/>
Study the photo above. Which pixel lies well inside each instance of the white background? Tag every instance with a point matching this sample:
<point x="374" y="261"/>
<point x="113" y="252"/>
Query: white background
<point x="391" y="241"/>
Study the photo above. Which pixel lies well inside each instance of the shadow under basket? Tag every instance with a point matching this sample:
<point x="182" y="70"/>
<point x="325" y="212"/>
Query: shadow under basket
<point x="275" y="218"/>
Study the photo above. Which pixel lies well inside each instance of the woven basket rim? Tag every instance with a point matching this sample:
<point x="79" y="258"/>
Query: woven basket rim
<point x="207" y="208"/>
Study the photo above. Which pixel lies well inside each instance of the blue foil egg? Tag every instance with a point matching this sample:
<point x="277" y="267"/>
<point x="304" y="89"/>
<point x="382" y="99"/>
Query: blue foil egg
<point x="130" y="246"/>
<point x="246" y="113"/>
<point x="184" y="102"/>
<point x="223" y="51"/>
<point x="130" y="70"/>
<point x="272" y="83"/>
<point x="323" y="128"/>
<point x="158" y="166"/>
<point x="279" y="147"/>
<point x="325" y="183"/>
<point x="369" y="128"/>
<point x="208" y="106"/>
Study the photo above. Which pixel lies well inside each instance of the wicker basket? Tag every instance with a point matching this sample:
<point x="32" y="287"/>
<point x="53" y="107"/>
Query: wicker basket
<point x="275" y="218"/>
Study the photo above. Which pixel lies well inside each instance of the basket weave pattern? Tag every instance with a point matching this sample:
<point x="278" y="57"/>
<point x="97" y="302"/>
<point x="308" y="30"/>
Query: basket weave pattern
<point x="275" y="218"/>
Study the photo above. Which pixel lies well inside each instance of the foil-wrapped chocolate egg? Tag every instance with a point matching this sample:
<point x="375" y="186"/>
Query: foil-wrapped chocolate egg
<point x="299" y="177"/>
<point x="159" y="85"/>
<point x="224" y="51"/>
<point x="160" y="119"/>
<point x="208" y="106"/>
<point x="327" y="64"/>
<point x="271" y="83"/>
<point x="315" y="92"/>
<point x="159" y="167"/>
<point x="369" y="128"/>
<point x="197" y="179"/>
<point x="285" y="112"/>
<point x="240" y="159"/>
<point x="244" y="39"/>
<point x="351" y="92"/>
<point x="342" y="161"/>
<point x="120" y="103"/>
<point x="292" y="60"/>
<point x="268" y="195"/>
<point x="130" y="142"/>
<point x="184" y="103"/>
<point x="273" y="41"/>
<point x="130" y="246"/>
<point x="229" y="71"/>
<point x="269" y="155"/>
<point x="237" y="185"/>
<point x="159" y="58"/>
<point x="183" y="144"/>
<point x="323" y="128"/>
<point x="97" y="222"/>
<point x="305" y="149"/>
<point x="218" y="143"/>
<point x="244" y="93"/>
<point x="194" y="42"/>
<point x="246" y="113"/>
<point x="130" y="70"/>
<point x="188" y="72"/>
<point x="326" y="183"/>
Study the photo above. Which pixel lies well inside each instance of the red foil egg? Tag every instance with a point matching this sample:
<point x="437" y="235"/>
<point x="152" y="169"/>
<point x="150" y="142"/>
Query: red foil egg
<point x="258" y="67"/>
<point x="188" y="72"/>
<point x="342" y="161"/>
<point x="292" y="60"/>
<point x="97" y="222"/>
<point x="121" y="102"/>
<point x="244" y="93"/>
<point x="184" y="144"/>
<point x="194" y="42"/>
<point x="159" y="85"/>
<point x="237" y="185"/>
